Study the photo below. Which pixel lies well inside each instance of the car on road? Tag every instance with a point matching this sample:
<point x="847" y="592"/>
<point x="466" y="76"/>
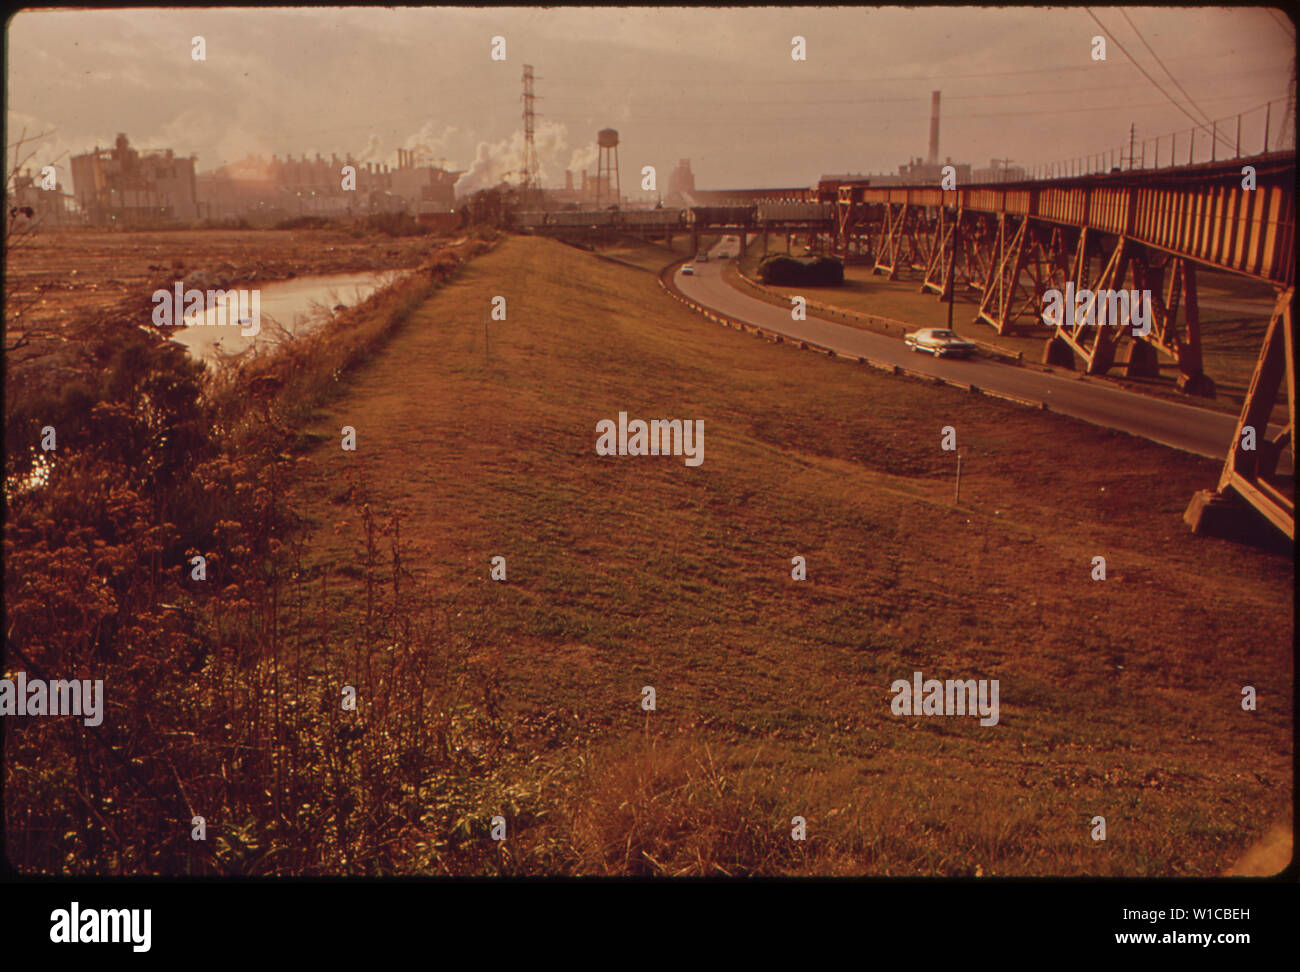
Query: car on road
<point x="940" y="342"/>
<point x="688" y="271"/>
<point x="702" y="258"/>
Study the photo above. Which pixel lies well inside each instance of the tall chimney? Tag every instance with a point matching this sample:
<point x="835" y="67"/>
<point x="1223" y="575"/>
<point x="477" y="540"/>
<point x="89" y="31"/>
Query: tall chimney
<point x="934" y="128"/>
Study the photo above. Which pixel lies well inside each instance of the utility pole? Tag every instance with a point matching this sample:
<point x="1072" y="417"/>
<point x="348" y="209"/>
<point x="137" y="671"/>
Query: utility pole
<point x="1005" y="163"/>
<point x="532" y="178"/>
<point x="1287" y="138"/>
<point x="952" y="264"/>
<point x="1132" y="139"/>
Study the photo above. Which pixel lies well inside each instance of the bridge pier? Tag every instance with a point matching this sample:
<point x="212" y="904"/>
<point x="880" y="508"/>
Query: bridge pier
<point x="1143" y="362"/>
<point x="1248" y="473"/>
<point x="1057" y="352"/>
<point x="1199" y="384"/>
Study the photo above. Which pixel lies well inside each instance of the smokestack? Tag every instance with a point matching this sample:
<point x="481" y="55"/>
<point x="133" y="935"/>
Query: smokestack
<point x="934" y="128"/>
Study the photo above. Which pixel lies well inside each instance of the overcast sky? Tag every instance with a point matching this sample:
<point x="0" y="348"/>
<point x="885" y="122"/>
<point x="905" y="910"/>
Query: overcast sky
<point x="715" y="85"/>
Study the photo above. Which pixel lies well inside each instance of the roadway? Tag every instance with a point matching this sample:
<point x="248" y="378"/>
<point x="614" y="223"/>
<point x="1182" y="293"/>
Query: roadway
<point x="1185" y="427"/>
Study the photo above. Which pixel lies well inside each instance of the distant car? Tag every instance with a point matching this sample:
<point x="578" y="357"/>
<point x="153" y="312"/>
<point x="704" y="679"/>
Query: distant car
<point x="702" y="258"/>
<point x="940" y="342"/>
<point x="688" y="271"/>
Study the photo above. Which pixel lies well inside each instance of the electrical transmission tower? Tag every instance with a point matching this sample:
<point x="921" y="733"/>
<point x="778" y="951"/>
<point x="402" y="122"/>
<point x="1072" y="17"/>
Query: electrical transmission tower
<point x="532" y="184"/>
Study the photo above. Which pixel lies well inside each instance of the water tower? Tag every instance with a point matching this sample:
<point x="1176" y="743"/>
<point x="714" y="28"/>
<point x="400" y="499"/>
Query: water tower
<point x="607" y="165"/>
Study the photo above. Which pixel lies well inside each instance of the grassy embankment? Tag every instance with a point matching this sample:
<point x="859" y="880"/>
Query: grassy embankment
<point x="1118" y="698"/>
<point x="159" y="462"/>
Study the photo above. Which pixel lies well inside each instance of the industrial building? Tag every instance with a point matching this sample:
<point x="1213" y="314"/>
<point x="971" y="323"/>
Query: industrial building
<point x="916" y="171"/>
<point x="590" y="190"/>
<point x="427" y="188"/>
<point x="122" y="186"/>
<point x="283" y="188"/>
<point x="1000" y="170"/>
<point x="47" y="207"/>
<point x="681" y="183"/>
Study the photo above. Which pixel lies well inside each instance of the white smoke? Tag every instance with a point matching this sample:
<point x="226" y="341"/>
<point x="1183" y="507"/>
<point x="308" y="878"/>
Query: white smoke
<point x="431" y="143"/>
<point x="584" y="158"/>
<point x="503" y="161"/>
<point x="372" y="152"/>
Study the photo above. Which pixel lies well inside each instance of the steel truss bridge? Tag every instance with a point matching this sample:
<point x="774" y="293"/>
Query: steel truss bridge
<point x="1140" y="230"/>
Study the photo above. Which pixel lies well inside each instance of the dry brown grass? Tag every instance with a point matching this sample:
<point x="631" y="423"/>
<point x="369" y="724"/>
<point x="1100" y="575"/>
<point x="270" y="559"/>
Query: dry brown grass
<point x="1118" y="698"/>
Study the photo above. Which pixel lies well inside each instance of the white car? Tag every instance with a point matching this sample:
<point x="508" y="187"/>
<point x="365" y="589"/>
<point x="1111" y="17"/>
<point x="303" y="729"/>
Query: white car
<point x="940" y="342"/>
<point x="688" y="271"/>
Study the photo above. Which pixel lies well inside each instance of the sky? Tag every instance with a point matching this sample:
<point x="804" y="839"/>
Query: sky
<point x="715" y="85"/>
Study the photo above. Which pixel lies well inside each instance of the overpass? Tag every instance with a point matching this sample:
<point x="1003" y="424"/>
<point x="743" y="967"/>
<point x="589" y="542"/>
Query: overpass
<point x="1012" y="242"/>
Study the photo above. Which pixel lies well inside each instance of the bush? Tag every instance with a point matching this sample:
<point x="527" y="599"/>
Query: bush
<point x="222" y="702"/>
<point x="396" y="224"/>
<point x="788" y="271"/>
<point x="305" y="222"/>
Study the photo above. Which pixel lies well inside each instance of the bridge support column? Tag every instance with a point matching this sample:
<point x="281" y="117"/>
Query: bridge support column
<point x="1248" y="472"/>
<point x="1143" y="362"/>
<point x="1057" y="352"/>
<point x="1227" y="516"/>
<point x="1199" y="384"/>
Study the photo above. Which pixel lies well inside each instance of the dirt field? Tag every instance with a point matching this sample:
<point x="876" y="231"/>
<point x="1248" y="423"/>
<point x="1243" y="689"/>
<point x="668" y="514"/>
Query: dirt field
<point x="71" y="274"/>
<point x="1119" y="698"/>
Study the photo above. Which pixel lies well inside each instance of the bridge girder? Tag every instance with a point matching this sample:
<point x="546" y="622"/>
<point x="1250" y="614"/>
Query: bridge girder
<point x="1013" y="242"/>
<point x="1249" y="474"/>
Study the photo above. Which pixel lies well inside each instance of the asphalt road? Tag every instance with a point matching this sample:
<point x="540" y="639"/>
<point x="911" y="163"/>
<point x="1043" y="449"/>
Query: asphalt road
<point x="1184" y="427"/>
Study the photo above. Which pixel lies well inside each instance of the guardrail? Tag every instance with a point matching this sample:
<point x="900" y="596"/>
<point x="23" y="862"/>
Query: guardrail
<point x="776" y="337"/>
<point x="889" y="324"/>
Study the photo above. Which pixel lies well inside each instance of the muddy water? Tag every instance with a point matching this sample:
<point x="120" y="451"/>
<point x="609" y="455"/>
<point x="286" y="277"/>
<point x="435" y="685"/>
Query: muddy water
<point x="289" y="308"/>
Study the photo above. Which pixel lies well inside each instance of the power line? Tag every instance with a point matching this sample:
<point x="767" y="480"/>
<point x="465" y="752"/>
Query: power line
<point x="765" y="102"/>
<point x="1195" y="120"/>
<point x="695" y="83"/>
<point x="638" y="117"/>
<point x="1124" y="14"/>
